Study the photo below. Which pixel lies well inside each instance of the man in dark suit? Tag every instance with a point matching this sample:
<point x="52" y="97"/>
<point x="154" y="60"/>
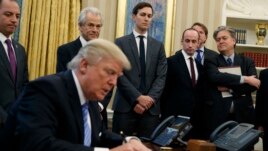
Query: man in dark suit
<point x="202" y="52"/>
<point x="238" y="104"/>
<point x="90" y="23"/>
<point x="13" y="62"/>
<point x="262" y="107"/>
<point x="184" y="81"/>
<point x="58" y="112"/>
<point x="136" y="102"/>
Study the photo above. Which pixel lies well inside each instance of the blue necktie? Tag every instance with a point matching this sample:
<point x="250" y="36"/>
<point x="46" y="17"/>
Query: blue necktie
<point x="142" y="64"/>
<point x="229" y="62"/>
<point x="198" y="56"/>
<point x="12" y="59"/>
<point x="87" y="128"/>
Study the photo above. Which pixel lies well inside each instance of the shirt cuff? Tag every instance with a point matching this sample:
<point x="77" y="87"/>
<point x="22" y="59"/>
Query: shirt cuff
<point x="242" y="79"/>
<point x="128" y="138"/>
<point x="101" y="149"/>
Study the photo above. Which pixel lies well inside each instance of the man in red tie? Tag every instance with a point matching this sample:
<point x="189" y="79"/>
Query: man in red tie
<point x="181" y="92"/>
<point x="13" y="62"/>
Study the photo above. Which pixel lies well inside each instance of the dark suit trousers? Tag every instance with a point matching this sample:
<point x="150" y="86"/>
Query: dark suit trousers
<point x="132" y="123"/>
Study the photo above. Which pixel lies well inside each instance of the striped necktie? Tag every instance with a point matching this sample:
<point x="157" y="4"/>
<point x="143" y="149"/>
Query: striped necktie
<point x="87" y="126"/>
<point x="229" y="61"/>
<point x="198" y="56"/>
<point x="12" y="59"/>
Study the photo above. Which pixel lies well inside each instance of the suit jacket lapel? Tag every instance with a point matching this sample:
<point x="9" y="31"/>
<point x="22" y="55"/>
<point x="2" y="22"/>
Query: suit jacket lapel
<point x="77" y="45"/>
<point x="222" y="61"/>
<point x="134" y="49"/>
<point x="75" y="102"/>
<point x="237" y="60"/>
<point x="18" y="55"/>
<point x="95" y="121"/>
<point x="5" y="61"/>
<point x="183" y="66"/>
<point x="149" y="53"/>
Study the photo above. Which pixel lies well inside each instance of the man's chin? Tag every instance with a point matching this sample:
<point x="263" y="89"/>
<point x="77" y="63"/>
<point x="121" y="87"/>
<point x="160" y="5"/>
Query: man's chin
<point x="101" y="97"/>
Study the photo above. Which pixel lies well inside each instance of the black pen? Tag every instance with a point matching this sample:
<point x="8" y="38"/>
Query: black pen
<point x="123" y="136"/>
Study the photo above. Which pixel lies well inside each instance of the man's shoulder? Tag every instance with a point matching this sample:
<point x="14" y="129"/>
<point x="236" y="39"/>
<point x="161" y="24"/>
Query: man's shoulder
<point x="153" y="40"/>
<point x="18" y="45"/>
<point x="125" y="37"/>
<point x="210" y="51"/>
<point x="175" y="56"/>
<point x="244" y="58"/>
<point x="74" y="43"/>
<point x="53" y="81"/>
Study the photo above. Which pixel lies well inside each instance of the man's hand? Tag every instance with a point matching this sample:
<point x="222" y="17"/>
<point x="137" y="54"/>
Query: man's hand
<point x="223" y="89"/>
<point x="132" y="145"/>
<point x="139" y="109"/>
<point x="253" y="81"/>
<point x="145" y="101"/>
<point x="260" y="128"/>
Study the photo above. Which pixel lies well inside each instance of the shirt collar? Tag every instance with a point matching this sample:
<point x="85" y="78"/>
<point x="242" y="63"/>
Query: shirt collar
<point x="82" y="97"/>
<point x="3" y="38"/>
<point x="185" y="55"/>
<point x="202" y="49"/>
<point x="232" y="57"/>
<point x="83" y="41"/>
<point x="136" y="34"/>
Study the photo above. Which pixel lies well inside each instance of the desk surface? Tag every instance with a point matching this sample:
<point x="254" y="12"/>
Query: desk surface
<point x="157" y="148"/>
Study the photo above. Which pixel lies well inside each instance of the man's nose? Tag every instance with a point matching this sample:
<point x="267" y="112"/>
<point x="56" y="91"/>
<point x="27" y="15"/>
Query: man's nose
<point x="14" y="19"/>
<point x="113" y="81"/>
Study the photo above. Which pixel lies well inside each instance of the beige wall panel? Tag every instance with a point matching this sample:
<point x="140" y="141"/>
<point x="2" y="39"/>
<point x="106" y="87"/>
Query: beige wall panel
<point x="190" y="11"/>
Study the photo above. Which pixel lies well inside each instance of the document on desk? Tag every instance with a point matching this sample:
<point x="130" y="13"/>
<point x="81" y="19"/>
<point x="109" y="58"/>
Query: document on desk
<point x="232" y="70"/>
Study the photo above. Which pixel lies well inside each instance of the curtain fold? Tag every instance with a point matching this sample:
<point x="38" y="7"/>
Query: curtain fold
<point x="45" y="25"/>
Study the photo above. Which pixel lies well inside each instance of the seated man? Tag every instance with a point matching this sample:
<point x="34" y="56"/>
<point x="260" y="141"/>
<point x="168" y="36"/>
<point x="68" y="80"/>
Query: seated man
<point x="56" y="112"/>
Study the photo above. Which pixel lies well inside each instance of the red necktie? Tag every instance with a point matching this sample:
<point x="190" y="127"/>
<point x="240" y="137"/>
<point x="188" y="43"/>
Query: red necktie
<point x="192" y="70"/>
<point x="12" y="59"/>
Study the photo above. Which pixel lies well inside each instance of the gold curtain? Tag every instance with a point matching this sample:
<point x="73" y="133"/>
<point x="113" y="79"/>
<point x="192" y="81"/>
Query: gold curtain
<point x="45" y="25"/>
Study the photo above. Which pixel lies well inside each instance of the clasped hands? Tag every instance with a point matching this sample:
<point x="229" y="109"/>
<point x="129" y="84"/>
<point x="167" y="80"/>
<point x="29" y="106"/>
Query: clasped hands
<point x="144" y="102"/>
<point x="251" y="80"/>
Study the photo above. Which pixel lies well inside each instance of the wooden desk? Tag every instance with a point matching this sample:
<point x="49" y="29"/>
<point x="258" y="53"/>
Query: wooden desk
<point x="154" y="147"/>
<point x="194" y="145"/>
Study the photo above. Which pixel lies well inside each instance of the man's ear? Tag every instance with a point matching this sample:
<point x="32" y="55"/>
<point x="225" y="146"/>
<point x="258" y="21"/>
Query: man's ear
<point x="133" y="17"/>
<point x="83" y="65"/>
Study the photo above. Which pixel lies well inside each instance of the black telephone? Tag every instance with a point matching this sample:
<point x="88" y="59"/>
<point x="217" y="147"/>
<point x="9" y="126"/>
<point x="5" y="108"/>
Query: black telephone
<point x="232" y="136"/>
<point x="170" y="129"/>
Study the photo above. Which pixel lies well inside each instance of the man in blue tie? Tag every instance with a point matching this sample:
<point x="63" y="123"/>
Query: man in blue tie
<point x="237" y="106"/>
<point x="61" y="111"/>
<point x="202" y="52"/>
<point x="13" y="60"/>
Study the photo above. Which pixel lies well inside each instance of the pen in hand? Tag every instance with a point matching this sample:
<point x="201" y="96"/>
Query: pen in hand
<point x="123" y="136"/>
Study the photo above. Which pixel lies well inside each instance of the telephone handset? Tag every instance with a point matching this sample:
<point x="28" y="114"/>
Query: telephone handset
<point x="235" y="137"/>
<point x="170" y="129"/>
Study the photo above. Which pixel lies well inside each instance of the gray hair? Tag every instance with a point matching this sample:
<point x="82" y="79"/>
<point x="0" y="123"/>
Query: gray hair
<point x="85" y="11"/>
<point x="97" y="49"/>
<point x="224" y="28"/>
